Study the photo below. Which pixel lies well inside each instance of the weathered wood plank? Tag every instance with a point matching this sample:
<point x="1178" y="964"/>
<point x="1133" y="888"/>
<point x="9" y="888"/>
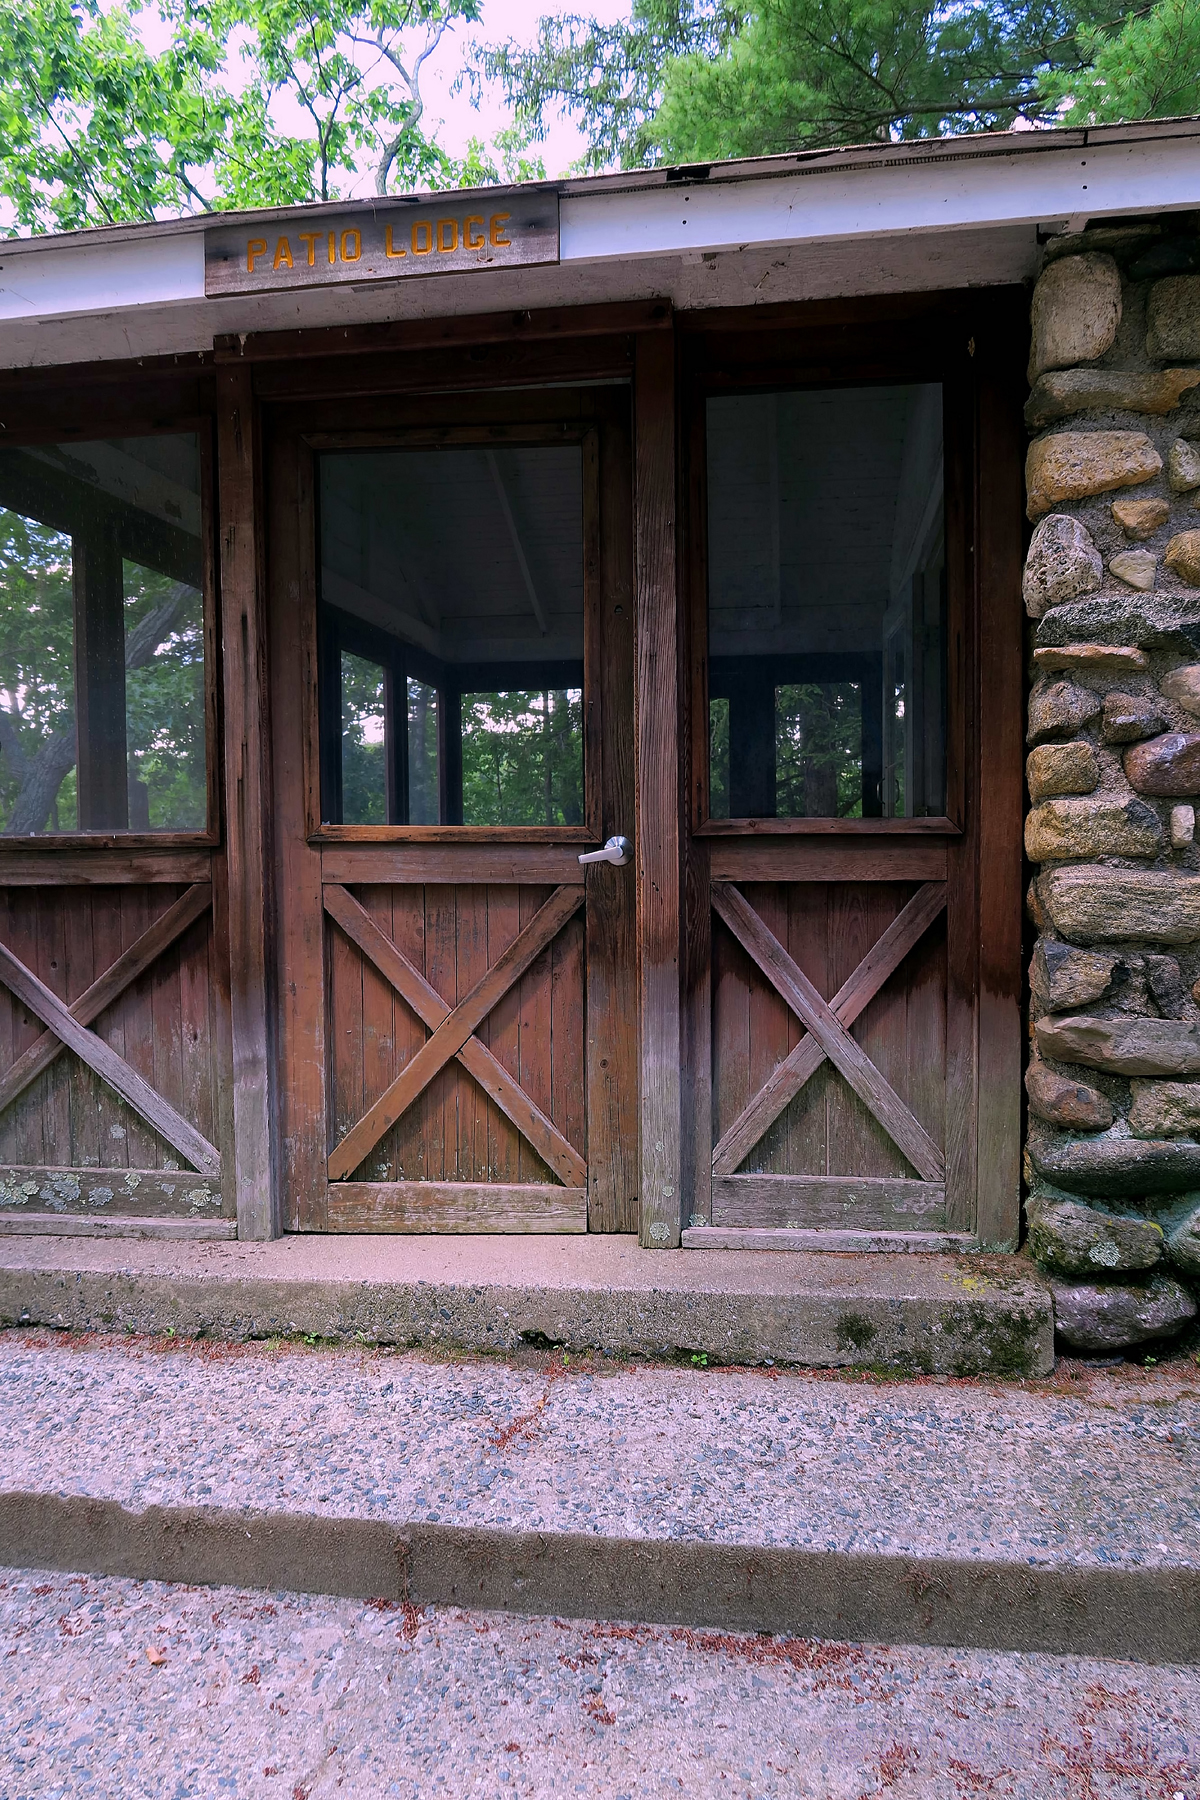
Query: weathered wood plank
<point x="856" y="859"/>
<point x="73" y="1190"/>
<point x="304" y="1131"/>
<point x="456" y="1207"/>
<point x="116" y="978"/>
<point x="608" y="1100"/>
<point x="841" y="1243"/>
<point x="449" y="1037"/>
<point x="124" y="1226"/>
<point x="248" y="802"/>
<point x="532" y="865"/>
<point x="104" y="1060"/>
<point x="809" y="1201"/>
<point x="846" y="1055"/>
<point x="102" y="867"/>
<point x="1000" y="792"/>
<point x="604" y="319"/>
<point x="658" y="833"/>
<point x="482" y="1064"/>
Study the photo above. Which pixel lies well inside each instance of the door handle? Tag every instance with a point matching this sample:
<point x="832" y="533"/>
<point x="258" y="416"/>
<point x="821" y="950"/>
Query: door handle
<point x="618" y="850"/>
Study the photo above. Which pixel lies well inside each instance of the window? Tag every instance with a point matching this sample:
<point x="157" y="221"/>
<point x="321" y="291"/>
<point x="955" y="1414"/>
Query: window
<point x="102" y="677"/>
<point x="452" y="611"/>
<point x="826" y="604"/>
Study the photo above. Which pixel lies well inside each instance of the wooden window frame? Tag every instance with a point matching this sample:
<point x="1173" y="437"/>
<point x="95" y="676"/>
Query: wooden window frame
<point x="120" y="842"/>
<point x="524" y="435"/>
<point x="790" y="353"/>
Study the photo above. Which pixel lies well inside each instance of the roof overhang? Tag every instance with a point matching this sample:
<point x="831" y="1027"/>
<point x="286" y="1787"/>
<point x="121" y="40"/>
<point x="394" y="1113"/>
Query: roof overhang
<point x="939" y="213"/>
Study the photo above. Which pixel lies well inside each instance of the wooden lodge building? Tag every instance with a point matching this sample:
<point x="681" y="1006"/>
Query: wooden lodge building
<point x="513" y="703"/>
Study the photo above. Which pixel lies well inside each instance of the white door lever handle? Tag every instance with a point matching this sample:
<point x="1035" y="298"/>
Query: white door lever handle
<point x="617" y="850"/>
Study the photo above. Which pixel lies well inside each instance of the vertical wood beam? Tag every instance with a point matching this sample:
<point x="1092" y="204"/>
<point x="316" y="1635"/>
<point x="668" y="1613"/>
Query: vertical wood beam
<point x="102" y="777"/>
<point x="247" y="803"/>
<point x="1000" y="696"/>
<point x="659" y="810"/>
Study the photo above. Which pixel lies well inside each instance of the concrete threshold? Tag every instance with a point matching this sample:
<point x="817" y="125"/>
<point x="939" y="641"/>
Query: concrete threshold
<point x="936" y="1314"/>
<point x="983" y="1515"/>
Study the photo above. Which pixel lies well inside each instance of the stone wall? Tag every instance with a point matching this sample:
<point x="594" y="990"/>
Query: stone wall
<point x="1112" y="581"/>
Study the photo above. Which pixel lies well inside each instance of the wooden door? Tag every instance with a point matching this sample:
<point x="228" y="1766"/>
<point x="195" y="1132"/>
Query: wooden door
<point x="452" y="635"/>
<point x="855" y="851"/>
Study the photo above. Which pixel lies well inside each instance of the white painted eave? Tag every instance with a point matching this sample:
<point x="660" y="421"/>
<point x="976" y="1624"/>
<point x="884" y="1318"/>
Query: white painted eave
<point x="823" y="203"/>
<point x="846" y="221"/>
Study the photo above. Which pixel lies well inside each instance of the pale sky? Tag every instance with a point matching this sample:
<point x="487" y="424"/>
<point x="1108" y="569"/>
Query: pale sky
<point x="502" y="19"/>
<point x="451" y="117"/>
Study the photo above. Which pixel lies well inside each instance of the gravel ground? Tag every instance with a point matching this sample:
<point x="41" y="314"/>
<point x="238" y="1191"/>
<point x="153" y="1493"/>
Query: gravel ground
<point x="144" y="1691"/>
<point x="1108" y="1474"/>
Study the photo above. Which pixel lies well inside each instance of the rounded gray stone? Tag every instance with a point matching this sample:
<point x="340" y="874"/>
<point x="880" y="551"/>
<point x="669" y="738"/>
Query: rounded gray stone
<point x="1075" y="313"/>
<point x="1182" y="1227"/>
<point x="1116" y="1167"/>
<point x="1062" y="563"/>
<point x="1059" y="709"/>
<point x="1092" y="903"/>
<point x="1069" y="1238"/>
<point x="1122" y="1043"/>
<point x="1173" y="319"/>
<point x="1117" y="1315"/>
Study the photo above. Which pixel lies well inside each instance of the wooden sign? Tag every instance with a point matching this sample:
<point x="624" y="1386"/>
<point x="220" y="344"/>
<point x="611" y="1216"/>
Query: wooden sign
<point x="443" y="235"/>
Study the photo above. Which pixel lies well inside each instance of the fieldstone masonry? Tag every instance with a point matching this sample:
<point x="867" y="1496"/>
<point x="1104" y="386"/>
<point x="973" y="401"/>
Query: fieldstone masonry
<point x="1112" y="585"/>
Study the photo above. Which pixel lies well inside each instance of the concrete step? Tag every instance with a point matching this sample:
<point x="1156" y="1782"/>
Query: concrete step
<point x="269" y="1696"/>
<point x="934" y="1313"/>
<point x="1038" y="1516"/>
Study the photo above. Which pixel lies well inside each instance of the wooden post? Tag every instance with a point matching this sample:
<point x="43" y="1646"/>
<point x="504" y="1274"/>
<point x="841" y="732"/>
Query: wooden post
<point x="659" y="797"/>
<point x="247" y="804"/>
<point x="1000" y="691"/>
<point x="101" y="755"/>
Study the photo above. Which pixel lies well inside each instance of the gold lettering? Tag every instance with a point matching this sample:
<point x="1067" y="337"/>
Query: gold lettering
<point x="254" y="249"/>
<point x="349" y="255"/>
<point x="448" y="228"/>
<point x="389" y="249"/>
<point x="333" y="246"/>
<point x="310" y="238"/>
<point x="420" y="249"/>
<point x="497" y="236"/>
<point x="471" y="239"/>
<point x="283" y="255"/>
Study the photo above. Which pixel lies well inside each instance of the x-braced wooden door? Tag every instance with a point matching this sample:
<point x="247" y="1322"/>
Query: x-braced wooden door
<point x="453" y="608"/>
<point x="854" y="891"/>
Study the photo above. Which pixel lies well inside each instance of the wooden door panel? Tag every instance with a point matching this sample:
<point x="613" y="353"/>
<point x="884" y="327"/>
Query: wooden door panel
<point x="823" y="1153"/>
<point x="113" y="1053"/>
<point x="467" y="1152"/>
<point x="529" y="1122"/>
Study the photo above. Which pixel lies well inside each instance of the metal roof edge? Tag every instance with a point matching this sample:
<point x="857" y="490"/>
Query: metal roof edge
<point x="840" y="159"/>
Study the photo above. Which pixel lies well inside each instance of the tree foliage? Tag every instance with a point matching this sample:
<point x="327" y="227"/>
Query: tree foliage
<point x="1149" y="68"/>
<point x="697" y="80"/>
<point x="610" y="77"/>
<point x="97" y="126"/>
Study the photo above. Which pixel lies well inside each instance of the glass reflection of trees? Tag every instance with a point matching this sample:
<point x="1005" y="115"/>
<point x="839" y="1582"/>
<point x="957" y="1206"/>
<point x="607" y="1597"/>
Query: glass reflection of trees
<point x="522" y="758"/>
<point x="161" y="626"/>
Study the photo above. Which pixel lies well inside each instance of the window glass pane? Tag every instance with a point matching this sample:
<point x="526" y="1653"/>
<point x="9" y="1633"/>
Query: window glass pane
<point x="164" y="701"/>
<point x="102" y="689"/>
<point x="422" y="753"/>
<point x="826" y="604"/>
<point x="460" y="573"/>
<point x="364" y="770"/>
<point x="523" y="758"/>
<point x="37" y="692"/>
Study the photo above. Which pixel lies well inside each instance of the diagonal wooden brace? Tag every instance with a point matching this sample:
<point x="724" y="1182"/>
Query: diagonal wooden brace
<point x="846" y="1055"/>
<point x="105" y="1062"/>
<point x="852" y="998"/>
<point x="108" y="987"/>
<point x="451" y="1035"/>
<point x="553" y="1148"/>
